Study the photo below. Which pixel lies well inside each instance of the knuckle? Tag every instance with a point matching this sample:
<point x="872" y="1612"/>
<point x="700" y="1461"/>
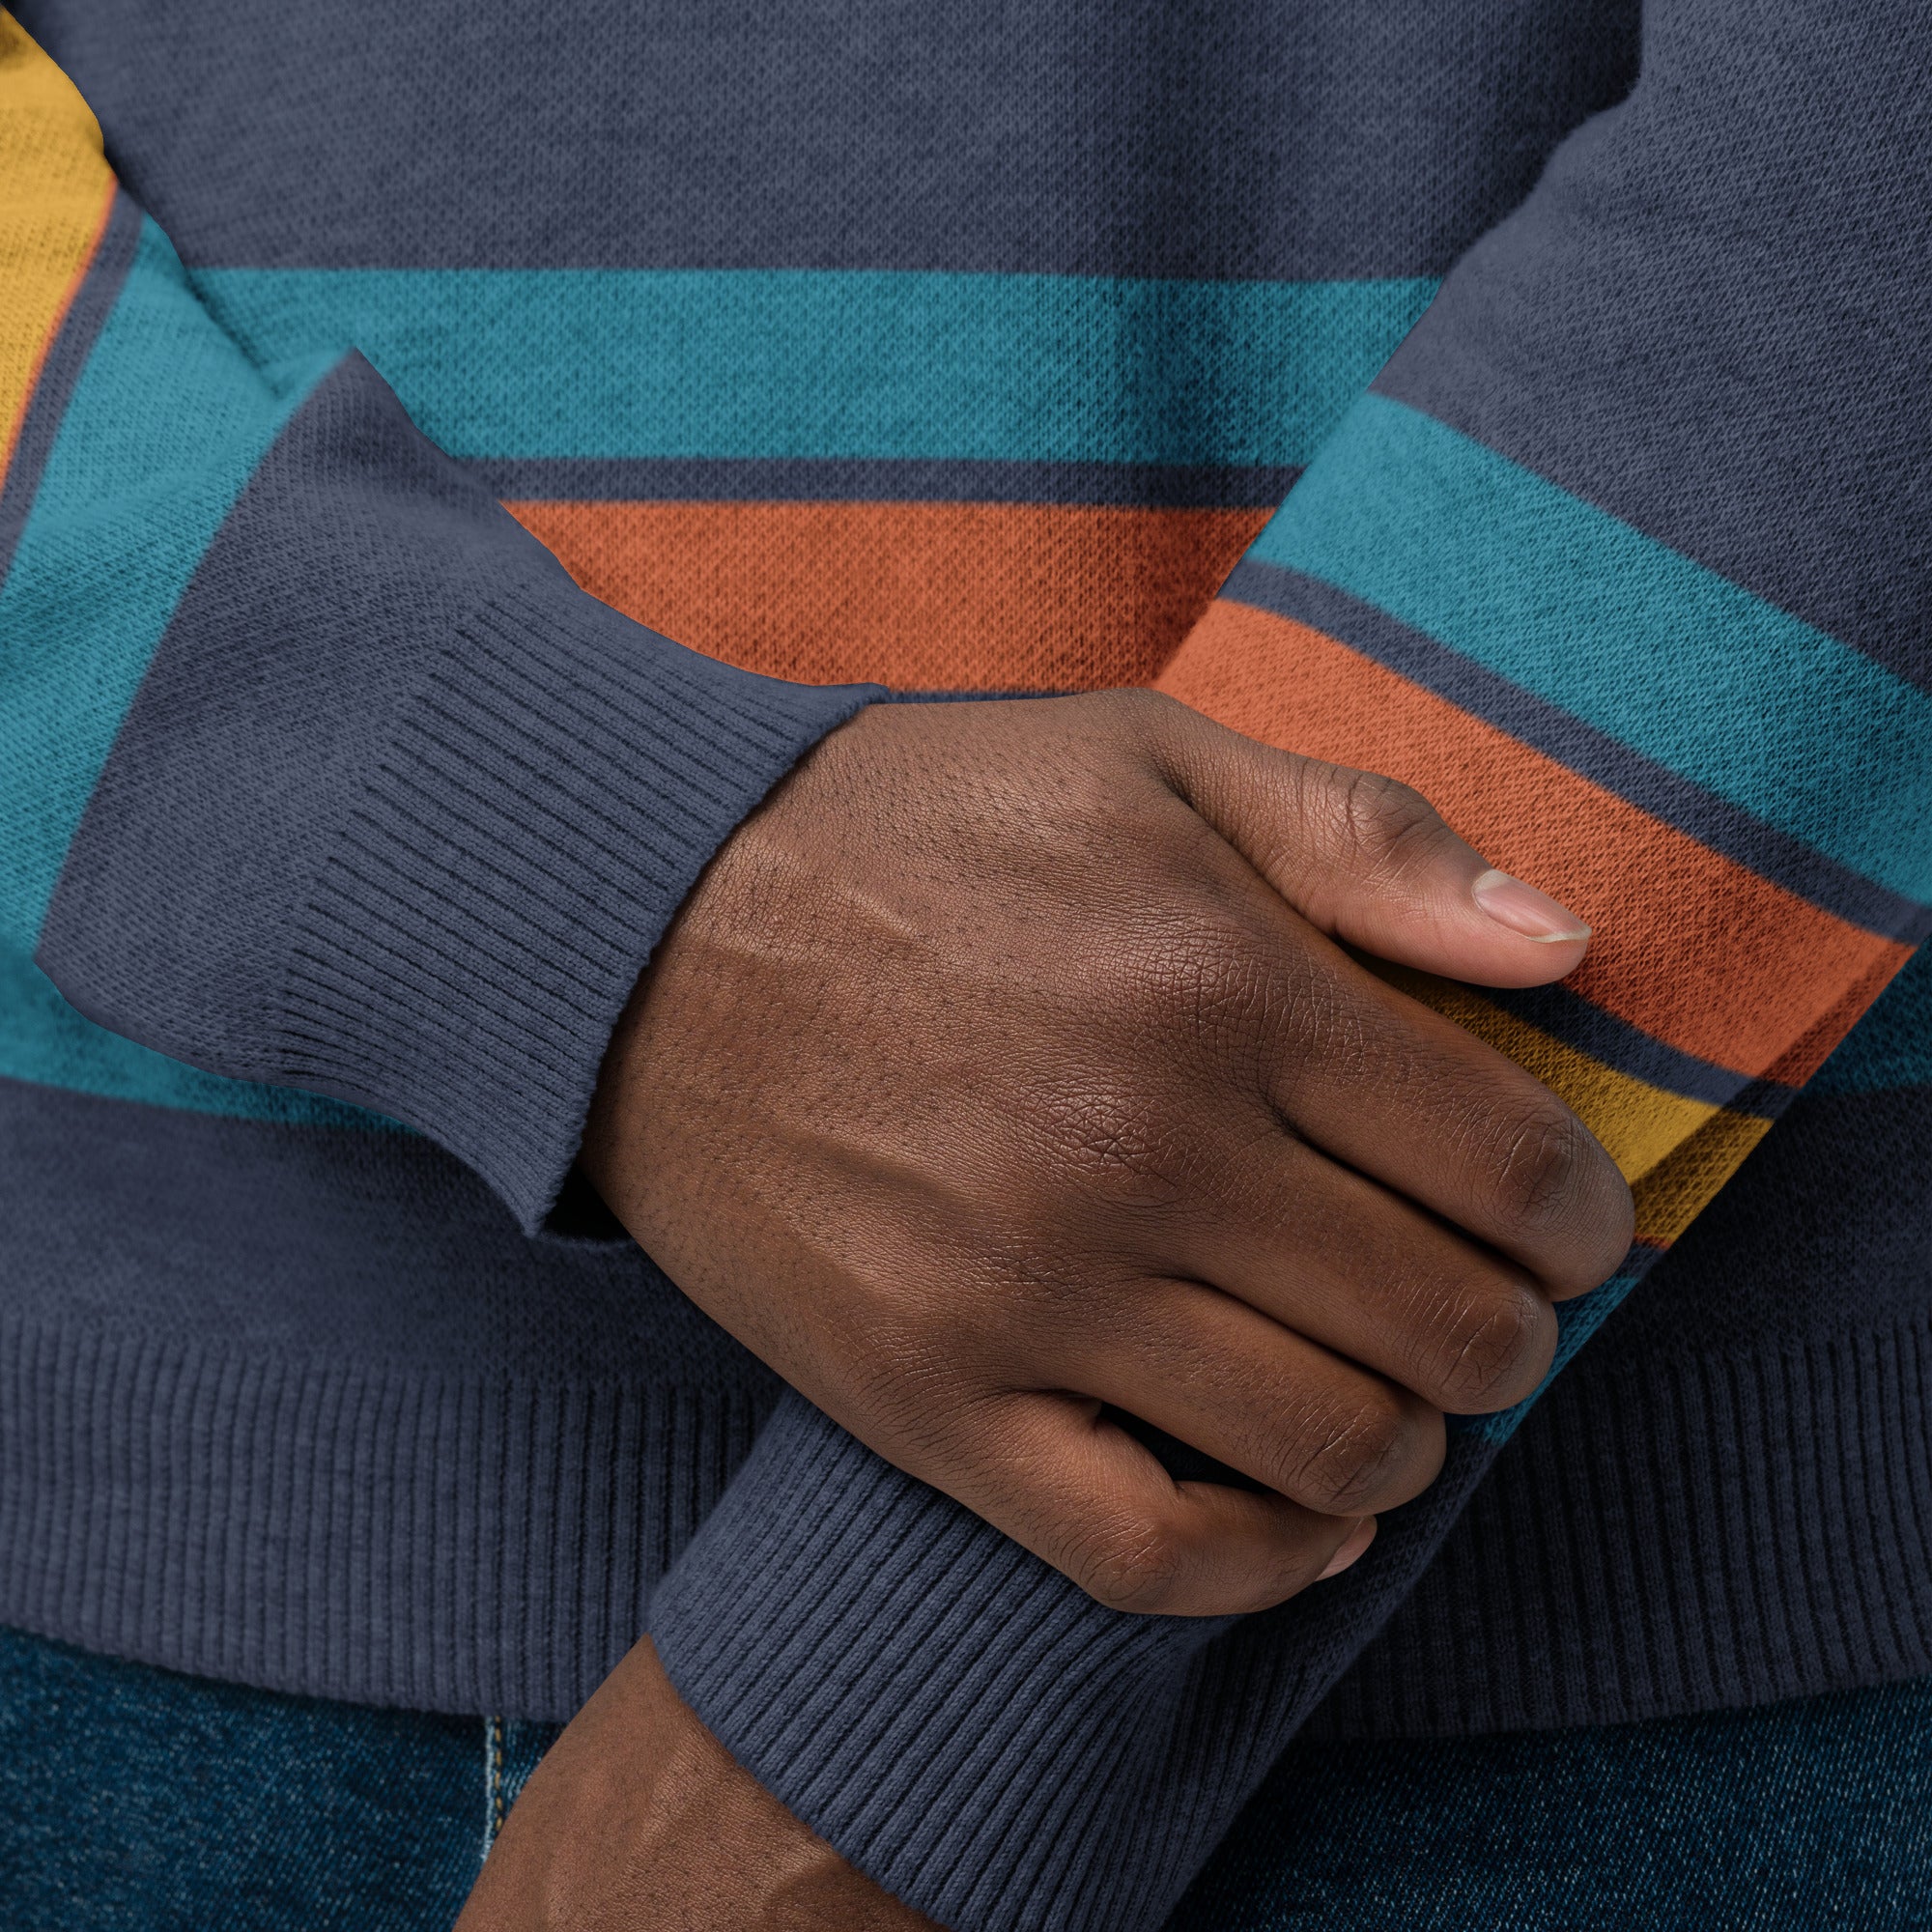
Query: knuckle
<point x="1382" y="818"/>
<point x="1141" y="711"/>
<point x="1136" y="1566"/>
<point x="1542" y="1158"/>
<point x="1114" y="1143"/>
<point x="1493" y="1343"/>
<point x="1348" y="1457"/>
<point x="1204" y="973"/>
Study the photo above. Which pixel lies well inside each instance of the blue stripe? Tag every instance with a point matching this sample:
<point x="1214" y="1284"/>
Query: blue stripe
<point x="867" y="364"/>
<point x="44" y="1041"/>
<point x="1891" y="1046"/>
<point x="66" y="358"/>
<point x="1588" y="614"/>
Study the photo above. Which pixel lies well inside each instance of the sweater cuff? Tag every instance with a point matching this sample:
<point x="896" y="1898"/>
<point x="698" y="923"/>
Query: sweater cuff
<point x="545" y="805"/>
<point x="398" y="813"/>
<point x="934" y="1701"/>
<point x="969" y="1728"/>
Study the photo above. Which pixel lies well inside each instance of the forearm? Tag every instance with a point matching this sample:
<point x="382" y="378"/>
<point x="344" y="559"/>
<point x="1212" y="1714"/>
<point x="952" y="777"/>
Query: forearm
<point x="1605" y="568"/>
<point x="1617" y="682"/>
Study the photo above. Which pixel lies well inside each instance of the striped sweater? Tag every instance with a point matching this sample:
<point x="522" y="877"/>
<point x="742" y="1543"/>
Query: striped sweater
<point x="1524" y="397"/>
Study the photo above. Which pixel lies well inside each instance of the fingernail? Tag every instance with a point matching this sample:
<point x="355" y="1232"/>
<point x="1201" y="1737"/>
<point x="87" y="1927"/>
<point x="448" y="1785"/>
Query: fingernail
<point x="1523" y="909"/>
<point x="1359" y="1538"/>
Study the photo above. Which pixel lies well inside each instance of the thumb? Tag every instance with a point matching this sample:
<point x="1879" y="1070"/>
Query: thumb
<point x="1370" y="862"/>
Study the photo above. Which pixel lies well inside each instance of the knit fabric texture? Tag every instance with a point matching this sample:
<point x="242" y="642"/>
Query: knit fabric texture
<point x="454" y="461"/>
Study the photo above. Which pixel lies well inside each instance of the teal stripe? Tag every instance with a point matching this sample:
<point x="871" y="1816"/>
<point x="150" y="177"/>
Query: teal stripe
<point x="45" y="1041"/>
<point x="1588" y="614"/>
<point x="1576" y="1320"/>
<point x="1891" y="1046"/>
<point x="166" y="426"/>
<point x="598" y="362"/>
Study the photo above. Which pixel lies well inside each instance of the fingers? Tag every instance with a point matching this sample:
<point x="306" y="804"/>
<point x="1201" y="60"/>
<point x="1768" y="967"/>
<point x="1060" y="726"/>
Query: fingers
<point x="1374" y="1077"/>
<point x="1083" y="1495"/>
<point x="1392" y="1088"/>
<point x="1216" y="1375"/>
<point x="1366" y="1274"/>
<point x="1368" y="861"/>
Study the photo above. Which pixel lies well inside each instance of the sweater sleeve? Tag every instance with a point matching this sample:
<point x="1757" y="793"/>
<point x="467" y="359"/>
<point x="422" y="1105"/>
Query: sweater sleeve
<point x="1623" y="562"/>
<point x="319" y="771"/>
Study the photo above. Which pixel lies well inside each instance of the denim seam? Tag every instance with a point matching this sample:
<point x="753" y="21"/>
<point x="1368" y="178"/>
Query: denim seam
<point x="493" y="1780"/>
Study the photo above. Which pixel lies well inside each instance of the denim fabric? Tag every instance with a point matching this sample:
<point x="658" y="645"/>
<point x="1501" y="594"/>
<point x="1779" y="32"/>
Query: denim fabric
<point x="1789" y="1818"/>
<point x="133" y="1800"/>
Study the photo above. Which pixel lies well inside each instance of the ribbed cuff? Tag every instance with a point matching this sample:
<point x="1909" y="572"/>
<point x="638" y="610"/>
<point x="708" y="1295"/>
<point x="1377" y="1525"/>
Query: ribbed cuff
<point x="968" y="1727"/>
<point x="553" y="788"/>
<point x="398" y="811"/>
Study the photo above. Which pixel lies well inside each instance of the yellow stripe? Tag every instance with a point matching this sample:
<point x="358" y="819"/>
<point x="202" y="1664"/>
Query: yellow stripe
<point x="58" y="189"/>
<point x="1676" y="1191"/>
<point x="1639" y="1125"/>
<point x="1675" y="1154"/>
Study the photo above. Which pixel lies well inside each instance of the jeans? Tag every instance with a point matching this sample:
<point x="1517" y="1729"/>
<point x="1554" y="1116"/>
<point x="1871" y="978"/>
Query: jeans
<point x="1789" y="1818"/>
<point x="138" y="1801"/>
<point x="135" y="1801"/>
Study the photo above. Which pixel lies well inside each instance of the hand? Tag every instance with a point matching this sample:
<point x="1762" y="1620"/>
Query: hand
<point x="638" y="1820"/>
<point x="1004" y="1068"/>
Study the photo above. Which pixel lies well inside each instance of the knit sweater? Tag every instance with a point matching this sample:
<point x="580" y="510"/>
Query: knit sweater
<point x="382" y="389"/>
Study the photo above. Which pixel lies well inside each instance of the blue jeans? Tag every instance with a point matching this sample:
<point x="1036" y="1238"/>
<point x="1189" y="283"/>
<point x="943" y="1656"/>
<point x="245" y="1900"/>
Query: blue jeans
<point x="135" y="1801"/>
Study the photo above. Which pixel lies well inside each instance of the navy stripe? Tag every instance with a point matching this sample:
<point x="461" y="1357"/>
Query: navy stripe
<point x="880" y="480"/>
<point x="79" y="329"/>
<point x="303" y="1408"/>
<point x="1083" y="136"/>
<point x="321" y="1241"/>
<point x="1593" y="754"/>
<point x="1820" y="1238"/>
<point x="1568" y="1016"/>
<point x="1721" y="331"/>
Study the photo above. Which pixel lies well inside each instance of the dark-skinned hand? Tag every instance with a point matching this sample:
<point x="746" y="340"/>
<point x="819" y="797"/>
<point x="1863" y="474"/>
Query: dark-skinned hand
<point x="1006" y="1071"/>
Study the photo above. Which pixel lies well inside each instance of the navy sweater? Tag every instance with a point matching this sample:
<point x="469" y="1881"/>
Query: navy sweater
<point x="382" y="389"/>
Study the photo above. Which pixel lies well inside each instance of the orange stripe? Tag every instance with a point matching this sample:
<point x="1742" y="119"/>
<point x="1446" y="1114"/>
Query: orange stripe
<point x="922" y="596"/>
<point x="1804" y="1057"/>
<point x="61" y="309"/>
<point x="1692" y="947"/>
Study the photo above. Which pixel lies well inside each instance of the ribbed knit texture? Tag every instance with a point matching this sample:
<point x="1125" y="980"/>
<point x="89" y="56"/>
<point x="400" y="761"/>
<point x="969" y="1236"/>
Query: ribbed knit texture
<point x="1123" y="1743"/>
<point x="856" y="346"/>
<point x="442" y="1545"/>
<point x="597" y="785"/>
<point x="1740" y="1527"/>
<point x="496" y="793"/>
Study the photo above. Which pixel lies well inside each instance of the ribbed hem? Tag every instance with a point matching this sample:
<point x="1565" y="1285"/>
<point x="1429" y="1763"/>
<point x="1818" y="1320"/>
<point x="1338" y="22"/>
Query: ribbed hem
<point x="1738" y="1527"/>
<point x="441" y="1544"/>
<point x="549" y="795"/>
<point x="967" y="1726"/>
<point x="1676" y="1535"/>
<point x="997" y="1750"/>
